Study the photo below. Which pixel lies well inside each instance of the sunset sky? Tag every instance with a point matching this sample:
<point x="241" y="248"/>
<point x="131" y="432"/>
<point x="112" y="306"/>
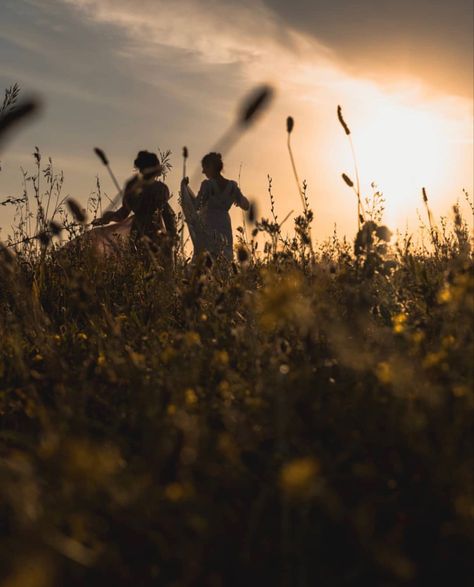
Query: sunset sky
<point x="128" y="75"/>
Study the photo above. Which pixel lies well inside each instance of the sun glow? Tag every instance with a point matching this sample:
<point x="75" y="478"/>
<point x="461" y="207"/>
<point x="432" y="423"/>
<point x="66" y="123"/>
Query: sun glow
<point x="403" y="148"/>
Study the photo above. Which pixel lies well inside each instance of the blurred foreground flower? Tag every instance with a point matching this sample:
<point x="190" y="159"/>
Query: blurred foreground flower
<point x="191" y="397"/>
<point x="221" y="358"/>
<point x="384" y="372"/>
<point x="94" y="462"/>
<point x="281" y="301"/>
<point x="174" y="492"/>
<point x="298" y="476"/>
<point x="191" y="338"/>
<point x="399" y="322"/>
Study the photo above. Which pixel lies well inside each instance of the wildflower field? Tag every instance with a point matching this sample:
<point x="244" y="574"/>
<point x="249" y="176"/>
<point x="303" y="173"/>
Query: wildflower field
<point x="301" y="417"/>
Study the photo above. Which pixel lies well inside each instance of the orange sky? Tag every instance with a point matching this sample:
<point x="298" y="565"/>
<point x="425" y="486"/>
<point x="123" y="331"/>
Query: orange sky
<point x="129" y="76"/>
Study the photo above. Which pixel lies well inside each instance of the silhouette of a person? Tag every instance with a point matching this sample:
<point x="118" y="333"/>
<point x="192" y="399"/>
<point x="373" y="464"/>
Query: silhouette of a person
<point x="213" y="201"/>
<point x="147" y="198"/>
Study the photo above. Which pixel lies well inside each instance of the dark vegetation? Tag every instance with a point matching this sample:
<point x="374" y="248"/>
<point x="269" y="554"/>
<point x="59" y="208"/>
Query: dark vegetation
<point x="302" y="417"/>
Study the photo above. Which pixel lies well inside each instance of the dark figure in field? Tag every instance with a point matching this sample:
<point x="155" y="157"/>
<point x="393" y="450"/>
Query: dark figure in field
<point x="212" y="203"/>
<point x="147" y="198"/>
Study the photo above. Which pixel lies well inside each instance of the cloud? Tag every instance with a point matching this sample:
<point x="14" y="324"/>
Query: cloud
<point x="173" y="73"/>
<point x="430" y="39"/>
<point x="214" y="32"/>
<point x="15" y="36"/>
<point x="276" y="39"/>
<point x="208" y="53"/>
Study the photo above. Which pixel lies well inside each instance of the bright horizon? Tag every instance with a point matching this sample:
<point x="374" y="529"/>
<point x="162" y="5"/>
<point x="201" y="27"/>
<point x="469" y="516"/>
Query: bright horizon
<point x="128" y="79"/>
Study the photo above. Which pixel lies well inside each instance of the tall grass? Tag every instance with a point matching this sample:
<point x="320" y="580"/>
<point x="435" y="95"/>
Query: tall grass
<point x="290" y="419"/>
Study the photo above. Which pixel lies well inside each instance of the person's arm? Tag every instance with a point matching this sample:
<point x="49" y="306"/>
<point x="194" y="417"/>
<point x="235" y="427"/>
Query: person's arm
<point x="185" y="186"/>
<point x="240" y="200"/>
<point x="202" y="194"/>
<point x="116" y="215"/>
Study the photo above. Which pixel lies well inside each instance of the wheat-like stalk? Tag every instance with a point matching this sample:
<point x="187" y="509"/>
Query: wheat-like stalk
<point x="360" y="208"/>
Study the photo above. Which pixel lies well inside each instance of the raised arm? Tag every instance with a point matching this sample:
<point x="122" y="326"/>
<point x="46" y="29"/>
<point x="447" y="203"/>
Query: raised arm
<point x="201" y="195"/>
<point x="185" y="186"/>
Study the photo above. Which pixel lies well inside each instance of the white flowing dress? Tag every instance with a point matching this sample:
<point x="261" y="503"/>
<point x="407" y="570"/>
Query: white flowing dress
<point x="213" y="205"/>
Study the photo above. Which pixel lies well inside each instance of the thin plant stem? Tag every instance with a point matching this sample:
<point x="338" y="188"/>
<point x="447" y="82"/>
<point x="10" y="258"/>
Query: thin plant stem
<point x="360" y="208"/>
<point x="244" y="222"/>
<point x="295" y="172"/>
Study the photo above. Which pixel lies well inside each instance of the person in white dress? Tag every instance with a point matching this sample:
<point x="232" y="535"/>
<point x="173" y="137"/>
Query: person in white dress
<point x="212" y="204"/>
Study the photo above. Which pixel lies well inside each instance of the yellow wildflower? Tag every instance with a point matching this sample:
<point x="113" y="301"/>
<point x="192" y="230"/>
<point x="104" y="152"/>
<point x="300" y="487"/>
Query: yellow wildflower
<point x="82" y="336"/>
<point x="224" y="387"/>
<point x="192" y="338"/>
<point x="190" y="397"/>
<point x="221" y="358"/>
<point x="384" y="372"/>
<point x="297" y="477"/>
<point x="433" y="359"/>
<point x="163" y="337"/>
<point x="418" y="336"/>
<point x="460" y="390"/>
<point x="445" y="295"/>
<point x="174" y="492"/>
<point x="399" y="322"/>
<point x="168" y="354"/>
<point x="448" y="341"/>
<point x="282" y="300"/>
<point x="94" y="460"/>
<point x="137" y="359"/>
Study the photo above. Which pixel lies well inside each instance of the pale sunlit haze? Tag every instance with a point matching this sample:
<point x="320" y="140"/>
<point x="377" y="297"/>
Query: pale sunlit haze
<point x="126" y="76"/>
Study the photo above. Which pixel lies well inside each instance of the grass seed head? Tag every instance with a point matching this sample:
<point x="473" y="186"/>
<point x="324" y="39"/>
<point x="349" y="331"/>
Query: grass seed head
<point x="257" y="102"/>
<point x="342" y="121"/>
<point x="348" y="180"/>
<point x="17" y="114"/>
<point x="252" y="213"/>
<point x="55" y="228"/>
<point x="44" y="238"/>
<point x="77" y="212"/>
<point x="290" y="123"/>
<point x="102" y="156"/>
